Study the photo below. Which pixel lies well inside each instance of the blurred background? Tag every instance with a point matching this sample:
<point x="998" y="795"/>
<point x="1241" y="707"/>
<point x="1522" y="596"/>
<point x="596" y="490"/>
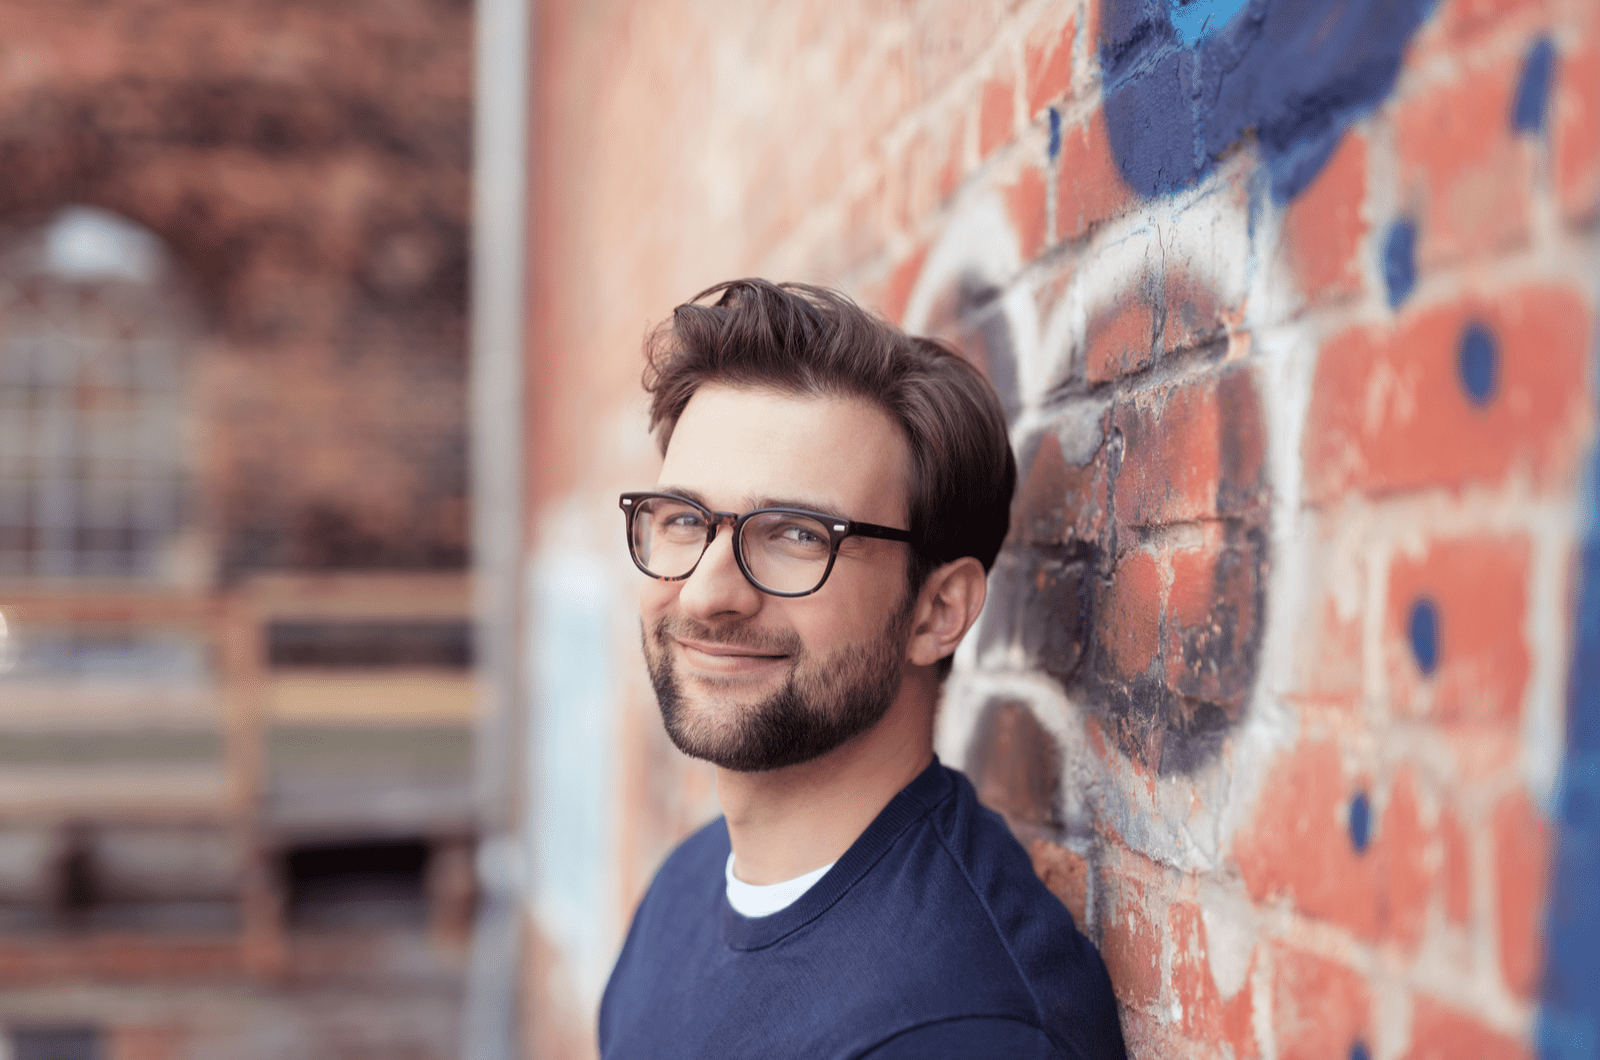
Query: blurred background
<point x="237" y="695"/>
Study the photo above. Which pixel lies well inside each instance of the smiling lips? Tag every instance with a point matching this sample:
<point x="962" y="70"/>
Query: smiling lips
<point x="725" y="658"/>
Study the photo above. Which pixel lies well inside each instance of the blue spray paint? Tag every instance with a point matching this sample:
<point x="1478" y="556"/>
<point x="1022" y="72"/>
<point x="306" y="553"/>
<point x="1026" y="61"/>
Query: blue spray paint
<point x="1479" y="363"/>
<point x="1569" y="1020"/>
<point x="1533" y="88"/>
<point x="1055" y="133"/>
<point x="1297" y="72"/>
<point x="1358" y="1051"/>
<point x="1425" y="635"/>
<point x="1400" y="261"/>
<point x="1360" y="822"/>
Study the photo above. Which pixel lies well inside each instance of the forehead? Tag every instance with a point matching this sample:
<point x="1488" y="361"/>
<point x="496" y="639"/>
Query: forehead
<point x="741" y="448"/>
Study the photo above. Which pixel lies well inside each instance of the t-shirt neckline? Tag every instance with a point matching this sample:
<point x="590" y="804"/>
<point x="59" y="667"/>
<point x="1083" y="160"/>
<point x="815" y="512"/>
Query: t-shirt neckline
<point x="930" y="787"/>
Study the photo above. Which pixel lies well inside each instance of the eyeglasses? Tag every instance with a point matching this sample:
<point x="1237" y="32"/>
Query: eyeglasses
<point x="782" y="551"/>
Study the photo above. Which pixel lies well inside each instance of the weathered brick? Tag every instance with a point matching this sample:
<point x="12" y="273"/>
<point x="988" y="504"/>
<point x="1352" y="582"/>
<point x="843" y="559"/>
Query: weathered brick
<point x="1121" y="339"/>
<point x="1300" y="845"/>
<point x="1521" y="869"/>
<point x="892" y="295"/>
<point x="1058" y="501"/>
<point x="1025" y="203"/>
<point x="1191" y="316"/>
<point x="1457" y="869"/>
<point x="148" y="1042"/>
<point x="1461" y="162"/>
<point x="1327" y="665"/>
<point x="1442" y="1033"/>
<point x="1476" y="590"/>
<point x="1208" y="1017"/>
<point x="1090" y="189"/>
<point x="1131" y="944"/>
<point x="1047" y="63"/>
<point x="1015" y="766"/>
<point x="996" y="115"/>
<point x="1213" y="621"/>
<point x="1129" y="616"/>
<point x="1066" y="875"/>
<point x="1575" y="116"/>
<point x="1462" y="20"/>
<point x="1324" y="228"/>
<point x="1192" y="450"/>
<point x="1319" y="1009"/>
<point x="1390" y="411"/>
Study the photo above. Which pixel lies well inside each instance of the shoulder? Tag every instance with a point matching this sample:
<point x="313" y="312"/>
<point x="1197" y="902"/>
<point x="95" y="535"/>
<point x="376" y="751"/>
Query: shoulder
<point x="1059" y="967"/>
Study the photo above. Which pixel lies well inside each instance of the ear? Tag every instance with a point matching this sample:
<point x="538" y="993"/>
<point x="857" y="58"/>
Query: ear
<point x="946" y="608"/>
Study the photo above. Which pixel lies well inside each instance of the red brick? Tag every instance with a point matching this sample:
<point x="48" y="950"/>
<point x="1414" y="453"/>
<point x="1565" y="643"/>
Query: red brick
<point x="1129" y="618"/>
<point x="1025" y="203"/>
<point x="1441" y="1033"/>
<point x="891" y="297"/>
<point x="1575" y="118"/>
<point x="1521" y="870"/>
<point x="1131" y="945"/>
<point x="1191" y="450"/>
<point x="1047" y="64"/>
<point x="1463" y="19"/>
<point x="1328" y="646"/>
<point x="1325" y="226"/>
<point x="953" y="168"/>
<point x="1057" y="501"/>
<point x="996" y="121"/>
<point x="1208" y="1017"/>
<point x="1457" y="869"/>
<point x="1121" y="339"/>
<point x="1478" y="587"/>
<point x="1090" y="189"/>
<point x="1319" y="1008"/>
<point x="1389" y="411"/>
<point x="1192" y="314"/>
<point x="1213" y="618"/>
<point x="1461" y="161"/>
<point x="1015" y="766"/>
<point x="1299" y="845"/>
<point x="1066" y="875"/>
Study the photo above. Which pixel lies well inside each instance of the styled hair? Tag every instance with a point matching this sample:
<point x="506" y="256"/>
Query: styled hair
<point x="798" y="339"/>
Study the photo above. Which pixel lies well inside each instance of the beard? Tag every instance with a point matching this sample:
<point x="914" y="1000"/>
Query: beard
<point x="823" y="703"/>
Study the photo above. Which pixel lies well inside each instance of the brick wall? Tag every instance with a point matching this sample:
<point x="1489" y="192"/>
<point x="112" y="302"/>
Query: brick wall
<point x="1293" y="312"/>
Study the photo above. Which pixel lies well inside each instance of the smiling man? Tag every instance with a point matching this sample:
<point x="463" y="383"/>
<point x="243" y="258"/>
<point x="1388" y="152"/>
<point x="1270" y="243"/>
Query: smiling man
<point x="832" y="494"/>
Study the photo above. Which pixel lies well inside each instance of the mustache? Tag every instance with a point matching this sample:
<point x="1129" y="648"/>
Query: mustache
<point x="730" y="636"/>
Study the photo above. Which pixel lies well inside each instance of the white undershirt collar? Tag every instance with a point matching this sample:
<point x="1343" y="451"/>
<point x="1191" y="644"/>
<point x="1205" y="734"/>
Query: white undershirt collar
<point x="751" y="899"/>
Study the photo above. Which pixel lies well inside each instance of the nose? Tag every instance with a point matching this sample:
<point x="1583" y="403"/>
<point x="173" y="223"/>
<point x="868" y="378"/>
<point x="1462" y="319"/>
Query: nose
<point x="718" y="590"/>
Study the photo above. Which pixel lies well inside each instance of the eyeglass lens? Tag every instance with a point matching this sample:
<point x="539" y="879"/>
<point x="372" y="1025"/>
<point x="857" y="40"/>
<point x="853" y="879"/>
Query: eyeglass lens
<point x="784" y="552"/>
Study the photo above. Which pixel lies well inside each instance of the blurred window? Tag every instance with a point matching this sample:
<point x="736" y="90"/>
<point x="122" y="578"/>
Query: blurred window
<point x="56" y="1043"/>
<point x="93" y="378"/>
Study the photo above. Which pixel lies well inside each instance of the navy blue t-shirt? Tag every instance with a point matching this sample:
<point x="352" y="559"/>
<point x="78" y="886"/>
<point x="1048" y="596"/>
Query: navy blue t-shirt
<point x="930" y="938"/>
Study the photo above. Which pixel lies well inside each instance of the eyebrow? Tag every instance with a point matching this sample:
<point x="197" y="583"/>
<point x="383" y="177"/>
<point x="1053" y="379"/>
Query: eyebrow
<point x="821" y="508"/>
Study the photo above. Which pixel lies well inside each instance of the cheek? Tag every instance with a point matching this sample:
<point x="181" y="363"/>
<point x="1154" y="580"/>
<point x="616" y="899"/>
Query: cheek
<point x="655" y="597"/>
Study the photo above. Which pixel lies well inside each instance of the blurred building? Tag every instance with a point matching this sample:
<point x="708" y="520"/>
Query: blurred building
<point x="237" y="694"/>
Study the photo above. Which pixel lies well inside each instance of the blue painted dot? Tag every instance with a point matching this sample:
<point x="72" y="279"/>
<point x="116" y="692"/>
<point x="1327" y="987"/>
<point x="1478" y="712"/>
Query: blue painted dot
<point x="1360" y="822"/>
<point x="1400" y="261"/>
<point x="1358" y="1051"/>
<point x="1425" y="635"/>
<point x="1533" y="89"/>
<point x="1479" y="363"/>
<point x="1055" y="132"/>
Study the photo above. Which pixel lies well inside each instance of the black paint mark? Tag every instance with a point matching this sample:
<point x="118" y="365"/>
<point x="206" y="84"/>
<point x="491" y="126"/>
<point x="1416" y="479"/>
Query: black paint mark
<point x="1479" y="363"/>
<point x="1400" y="261"/>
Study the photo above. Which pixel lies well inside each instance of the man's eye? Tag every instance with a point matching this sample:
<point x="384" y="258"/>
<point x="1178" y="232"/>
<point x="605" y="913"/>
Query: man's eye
<point x="684" y="521"/>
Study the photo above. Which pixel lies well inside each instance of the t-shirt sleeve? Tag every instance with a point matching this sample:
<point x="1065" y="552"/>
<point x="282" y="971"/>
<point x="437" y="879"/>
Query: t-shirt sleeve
<point x="971" y="1038"/>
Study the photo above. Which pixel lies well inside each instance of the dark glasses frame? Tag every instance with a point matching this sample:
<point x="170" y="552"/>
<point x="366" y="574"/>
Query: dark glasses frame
<point x="838" y="530"/>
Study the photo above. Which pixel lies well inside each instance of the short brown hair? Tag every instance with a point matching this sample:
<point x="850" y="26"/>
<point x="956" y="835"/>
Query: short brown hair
<point x="800" y="339"/>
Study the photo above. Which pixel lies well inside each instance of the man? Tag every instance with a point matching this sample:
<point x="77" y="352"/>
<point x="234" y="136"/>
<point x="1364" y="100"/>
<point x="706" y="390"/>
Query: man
<point x="831" y="496"/>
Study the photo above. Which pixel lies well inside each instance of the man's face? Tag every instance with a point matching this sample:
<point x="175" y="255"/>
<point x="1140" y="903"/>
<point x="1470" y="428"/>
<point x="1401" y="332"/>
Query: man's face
<point x="750" y="681"/>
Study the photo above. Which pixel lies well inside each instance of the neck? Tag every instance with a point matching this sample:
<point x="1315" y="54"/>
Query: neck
<point x="786" y="822"/>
